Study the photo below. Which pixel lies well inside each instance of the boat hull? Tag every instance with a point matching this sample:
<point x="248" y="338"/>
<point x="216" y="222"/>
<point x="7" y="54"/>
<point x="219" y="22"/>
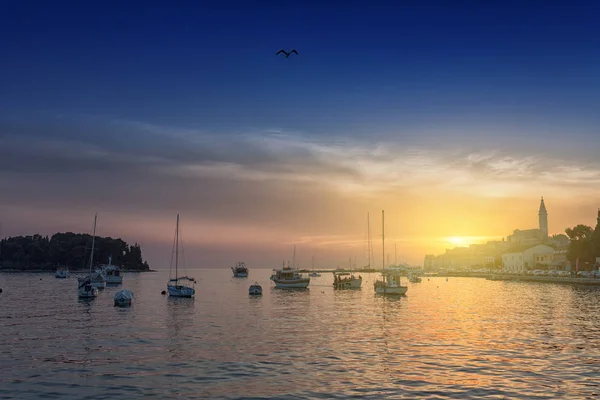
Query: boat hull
<point x="181" y="291"/>
<point x="123" y="298"/>
<point x="351" y="284"/>
<point x="291" y="284"/>
<point x="253" y="291"/>
<point x="61" y="274"/>
<point x="114" y="280"/>
<point x="240" y="274"/>
<point x="99" y="285"/>
<point x="393" y="290"/>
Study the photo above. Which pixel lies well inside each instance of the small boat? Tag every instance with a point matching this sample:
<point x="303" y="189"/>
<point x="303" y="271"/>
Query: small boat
<point x="180" y="286"/>
<point x="413" y="278"/>
<point x="346" y="280"/>
<point x="240" y="270"/>
<point x="98" y="280"/>
<point x="390" y="282"/>
<point x="61" y="273"/>
<point x="85" y="288"/>
<point x="255" y="289"/>
<point x="315" y="274"/>
<point x="123" y="298"/>
<point x="289" y="277"/>
<point x="111" y="273"/>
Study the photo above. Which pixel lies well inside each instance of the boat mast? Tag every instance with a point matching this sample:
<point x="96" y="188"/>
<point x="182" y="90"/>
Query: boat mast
<point x="177" y="247"/>
<point x="294" y="258"/>
<point x="369" y="245"/>
<point x="93" y="241"/>
<point x="395" y="255"/>
<point x="382" y="240"/>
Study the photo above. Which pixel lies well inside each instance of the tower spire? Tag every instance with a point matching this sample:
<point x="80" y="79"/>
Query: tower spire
<point x="543" y="219"/>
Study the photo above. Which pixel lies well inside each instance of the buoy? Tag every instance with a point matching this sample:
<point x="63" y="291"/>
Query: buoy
<point x="0" y="290"/>
<point x="163" y="292"/>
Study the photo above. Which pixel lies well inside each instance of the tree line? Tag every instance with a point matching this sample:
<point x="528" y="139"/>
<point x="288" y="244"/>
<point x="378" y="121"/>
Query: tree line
<point x="585" y="245"/>
<point x="70" y="250"/>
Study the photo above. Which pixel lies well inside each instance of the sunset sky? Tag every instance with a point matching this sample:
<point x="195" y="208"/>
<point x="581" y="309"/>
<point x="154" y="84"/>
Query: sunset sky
<point x="454" y="119"/>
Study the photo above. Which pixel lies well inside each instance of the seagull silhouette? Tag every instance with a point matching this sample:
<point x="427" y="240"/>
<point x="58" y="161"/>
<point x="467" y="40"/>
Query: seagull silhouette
<point x="286" y="53"/>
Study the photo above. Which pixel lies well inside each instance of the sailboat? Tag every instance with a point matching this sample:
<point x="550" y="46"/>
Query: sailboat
<point x="313" y="273"/>
<point x="390" y="282"/>
<point x="180" y="286"/>
<point x="85" y="288"/>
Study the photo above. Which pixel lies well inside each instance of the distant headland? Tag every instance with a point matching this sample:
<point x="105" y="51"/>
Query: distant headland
<point x="72" y="250"/>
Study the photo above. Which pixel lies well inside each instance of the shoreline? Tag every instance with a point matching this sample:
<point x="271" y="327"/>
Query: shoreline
<point x="76" y="271"/>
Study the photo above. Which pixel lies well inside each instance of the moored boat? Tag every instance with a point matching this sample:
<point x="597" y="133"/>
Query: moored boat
<point x="346" y="280"/>
<point x="61" y="273"/>
<point x="255" y="289"/>
<point x="111" y="273"/>
<point x="123" y="298"/>
<point x="179" y="286"/>
<point x="240" y="270"/>
<point x="390" y="282"/>
<point x="85" y="288"/>
<point x="289" y="277"/>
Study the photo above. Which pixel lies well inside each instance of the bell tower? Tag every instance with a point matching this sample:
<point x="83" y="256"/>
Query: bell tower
<point x="543" y="218"/>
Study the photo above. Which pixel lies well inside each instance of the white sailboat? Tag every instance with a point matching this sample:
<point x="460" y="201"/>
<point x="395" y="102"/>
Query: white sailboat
<point x="390" y="282"/>
<point x="180" y="286"/>
<point x="85" y="288"/>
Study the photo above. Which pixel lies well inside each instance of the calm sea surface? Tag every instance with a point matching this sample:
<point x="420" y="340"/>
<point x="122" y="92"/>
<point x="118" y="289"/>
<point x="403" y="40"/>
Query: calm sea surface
<point x="467" y="337"/>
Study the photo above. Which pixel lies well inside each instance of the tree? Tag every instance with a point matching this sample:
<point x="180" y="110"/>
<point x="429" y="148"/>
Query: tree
<point x="581" y="245"/>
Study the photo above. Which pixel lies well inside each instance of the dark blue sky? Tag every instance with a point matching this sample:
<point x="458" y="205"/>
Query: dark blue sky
<point x="364" y="67"/>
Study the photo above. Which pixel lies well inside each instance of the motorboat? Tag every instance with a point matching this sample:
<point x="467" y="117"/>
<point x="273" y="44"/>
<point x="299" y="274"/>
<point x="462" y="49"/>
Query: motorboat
<point x="413" y="278"/>
<point x="255" y="289"/>
<point x="111" y="273"/>
<point x="61" y="273"/>
<point x="288" y="277"/>
<point x="346" y="280"/>
<point x="240" y="270"/>
<point x="123" y="298"/>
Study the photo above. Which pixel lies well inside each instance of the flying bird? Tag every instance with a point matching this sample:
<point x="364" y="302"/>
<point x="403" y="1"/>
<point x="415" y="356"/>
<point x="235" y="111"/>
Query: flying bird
<point x="286" y="53"/>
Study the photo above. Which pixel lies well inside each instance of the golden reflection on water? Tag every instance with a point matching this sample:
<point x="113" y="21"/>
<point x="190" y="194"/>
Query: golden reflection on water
<point x="463" y="337"/>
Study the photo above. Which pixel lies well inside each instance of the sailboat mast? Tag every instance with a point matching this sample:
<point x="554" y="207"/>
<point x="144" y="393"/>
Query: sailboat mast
<point x="294" y="258"/>
<point x="93" y="242"/>
<point x="177" y="248"/>
<point x="383" y="239"/>
<point x="368" y="243"/>
<point x="395" y="255"/>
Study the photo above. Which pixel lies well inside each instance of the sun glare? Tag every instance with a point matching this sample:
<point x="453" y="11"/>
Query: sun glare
<point x="457" y="240"/>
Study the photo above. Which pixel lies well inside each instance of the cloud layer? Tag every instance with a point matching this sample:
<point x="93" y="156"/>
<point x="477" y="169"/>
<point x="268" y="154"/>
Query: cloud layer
<point x="267" y="189"/>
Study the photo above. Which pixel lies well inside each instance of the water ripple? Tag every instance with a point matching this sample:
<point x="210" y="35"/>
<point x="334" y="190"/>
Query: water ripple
<point x="465" y="338"/>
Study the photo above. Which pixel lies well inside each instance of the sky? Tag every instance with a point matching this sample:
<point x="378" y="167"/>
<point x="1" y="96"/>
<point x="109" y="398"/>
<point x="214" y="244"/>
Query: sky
<point x="453" y="117"/>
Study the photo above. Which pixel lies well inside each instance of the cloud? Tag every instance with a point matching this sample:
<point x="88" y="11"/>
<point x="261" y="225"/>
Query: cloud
<point x="286" y="187"/>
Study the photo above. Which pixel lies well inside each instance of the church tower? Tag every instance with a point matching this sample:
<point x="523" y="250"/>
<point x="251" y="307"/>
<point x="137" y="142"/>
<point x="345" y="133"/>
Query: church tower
<point x="543" y="215"/>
